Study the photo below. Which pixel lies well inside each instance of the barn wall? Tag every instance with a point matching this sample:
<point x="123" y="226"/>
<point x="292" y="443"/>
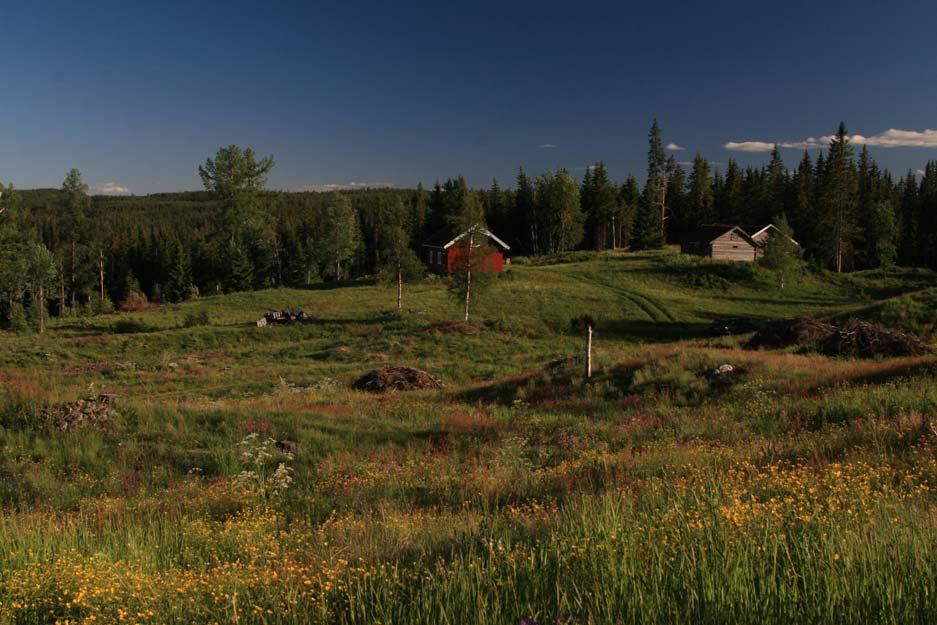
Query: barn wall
<point x="493" y="262"/>
<point x="731" y="246"/>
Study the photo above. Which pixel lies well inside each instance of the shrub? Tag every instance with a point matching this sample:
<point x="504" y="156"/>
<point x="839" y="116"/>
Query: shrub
<point x="193" y="319"/>
<point x="129" y="326"/>
<point x="578" y="325"/>
<point x="135" y="301"/>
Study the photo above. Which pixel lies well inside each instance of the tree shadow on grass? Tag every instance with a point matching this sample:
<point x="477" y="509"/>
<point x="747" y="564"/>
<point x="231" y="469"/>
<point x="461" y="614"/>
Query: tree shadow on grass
<point x="644" y="331"/>
<point x="339" y="284"/>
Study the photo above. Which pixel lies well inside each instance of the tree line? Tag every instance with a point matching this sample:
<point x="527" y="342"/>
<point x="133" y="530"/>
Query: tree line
<point x="63" y="251"/>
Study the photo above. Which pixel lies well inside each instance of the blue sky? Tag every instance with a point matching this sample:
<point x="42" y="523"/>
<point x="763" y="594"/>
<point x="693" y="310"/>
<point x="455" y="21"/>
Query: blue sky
<point x="137" y="96"/>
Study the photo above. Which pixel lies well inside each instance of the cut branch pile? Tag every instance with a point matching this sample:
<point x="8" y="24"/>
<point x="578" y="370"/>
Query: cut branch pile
<point x="861" y="339"/>
<point x="396" y="378"/>
<point x="787" y="332"/>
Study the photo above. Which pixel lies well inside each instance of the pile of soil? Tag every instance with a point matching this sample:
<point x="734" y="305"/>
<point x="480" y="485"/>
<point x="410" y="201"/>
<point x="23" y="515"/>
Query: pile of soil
<point x="861" y="339"/>
<point x="95" y="413"/>
<point x="446" y="326"/>
<point x="396" y="378"/>
<point x="786" y="332"/>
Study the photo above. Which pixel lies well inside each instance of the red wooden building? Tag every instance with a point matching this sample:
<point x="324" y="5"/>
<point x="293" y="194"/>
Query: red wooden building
<point x="441" y="250"/>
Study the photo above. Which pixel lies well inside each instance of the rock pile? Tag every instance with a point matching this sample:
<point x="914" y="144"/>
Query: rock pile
<point x="94" y="413"/>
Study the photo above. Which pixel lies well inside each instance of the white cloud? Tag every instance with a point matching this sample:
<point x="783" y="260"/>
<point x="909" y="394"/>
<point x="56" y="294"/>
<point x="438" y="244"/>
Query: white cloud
<point x="336" y="186"/>
<point x="749" y="146"/>
<point x="548" y="146"/>
<point x="896" y="138"/>
<point x="674" y="147"/>
<point x="110" y="188"/>
<point x="891" y="138"/>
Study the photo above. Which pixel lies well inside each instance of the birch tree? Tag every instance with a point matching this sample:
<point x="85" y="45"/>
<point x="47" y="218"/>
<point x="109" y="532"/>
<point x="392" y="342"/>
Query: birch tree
<point x="398" y="262"/>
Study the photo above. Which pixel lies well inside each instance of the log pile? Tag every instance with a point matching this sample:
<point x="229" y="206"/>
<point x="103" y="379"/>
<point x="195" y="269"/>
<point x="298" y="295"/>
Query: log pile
<point x="282" y="317"/>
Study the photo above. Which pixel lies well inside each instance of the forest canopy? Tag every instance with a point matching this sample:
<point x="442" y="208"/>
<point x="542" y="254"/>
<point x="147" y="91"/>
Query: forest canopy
<point x="845" y="211"/>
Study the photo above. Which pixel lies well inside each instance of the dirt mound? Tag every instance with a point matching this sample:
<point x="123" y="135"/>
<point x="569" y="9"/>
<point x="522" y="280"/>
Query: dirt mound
<point x="446" y="326"/>
<point x="97" y="413"/>
<point x="786" y="332"/>
<point x="861" y="339"/>
<point x="396" y="378"/>
<point x="100" y="367"/>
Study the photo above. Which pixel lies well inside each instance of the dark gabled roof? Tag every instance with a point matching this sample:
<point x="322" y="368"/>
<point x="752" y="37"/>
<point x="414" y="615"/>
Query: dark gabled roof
<point x="707" y="233"/>
<point x="445" y="237"/>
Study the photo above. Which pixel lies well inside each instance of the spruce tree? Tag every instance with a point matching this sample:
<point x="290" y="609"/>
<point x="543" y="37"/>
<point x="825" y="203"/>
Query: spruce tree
<point x="910" y="217"/>
<point x="629" y="199"/>
<point x="700" y="197"/>
<point x="838" y="201"/>
<point x="928" y="215"/>
<point x="239" y="270"/>
<point x="598" y="204"/>
<point x="179" y="285"/>
<point x="525" y="209"/>
<point x="649" y="224"/>
<point x="804" y="209"/>
<point x="676" y="201"/>
<point x="776" y="190"/>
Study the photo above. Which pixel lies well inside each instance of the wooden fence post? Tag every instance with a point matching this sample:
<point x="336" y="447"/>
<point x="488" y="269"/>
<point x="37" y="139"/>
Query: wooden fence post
<point x="588" y="351"/>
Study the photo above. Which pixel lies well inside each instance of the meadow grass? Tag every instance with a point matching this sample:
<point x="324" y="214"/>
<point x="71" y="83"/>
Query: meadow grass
<point x="801" y="491"/>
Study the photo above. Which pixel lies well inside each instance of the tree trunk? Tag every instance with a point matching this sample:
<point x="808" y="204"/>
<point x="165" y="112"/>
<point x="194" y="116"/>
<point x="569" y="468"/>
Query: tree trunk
<point x="74" y="295"/>
<point x="399" y="288"/>
<point x="468" y="275"/>
<point x="101" y="274"/>
<point x="62" y="294"/>
<point x="42" y="309"/>
<point x="589" y="351"/>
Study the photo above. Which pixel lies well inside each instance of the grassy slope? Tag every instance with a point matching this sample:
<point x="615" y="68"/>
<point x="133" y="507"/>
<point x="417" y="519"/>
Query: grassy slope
<point x="515" y="492"/>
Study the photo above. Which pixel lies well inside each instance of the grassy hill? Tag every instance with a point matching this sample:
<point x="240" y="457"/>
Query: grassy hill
<point x="797" y="489"/>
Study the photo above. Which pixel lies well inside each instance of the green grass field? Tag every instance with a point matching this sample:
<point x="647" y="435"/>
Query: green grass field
<point x="803" y="491"/>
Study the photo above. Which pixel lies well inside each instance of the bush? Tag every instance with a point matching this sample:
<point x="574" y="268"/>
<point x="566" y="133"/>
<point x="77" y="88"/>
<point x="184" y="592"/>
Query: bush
<point x="520" y="260"/>
<point x="578" y="325"/>
<point x="17" y="320"/>
<point x="135" y="301"/>
<point x="193" y="319"/>
<point x="129" y="326"/>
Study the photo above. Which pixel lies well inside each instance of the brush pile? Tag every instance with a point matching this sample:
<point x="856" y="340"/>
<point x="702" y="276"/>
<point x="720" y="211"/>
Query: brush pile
<point x="855" y="339"/>
<point x="780" y="333"/>
<point x="396" y="378"/>
<point x="861" y="339"/>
